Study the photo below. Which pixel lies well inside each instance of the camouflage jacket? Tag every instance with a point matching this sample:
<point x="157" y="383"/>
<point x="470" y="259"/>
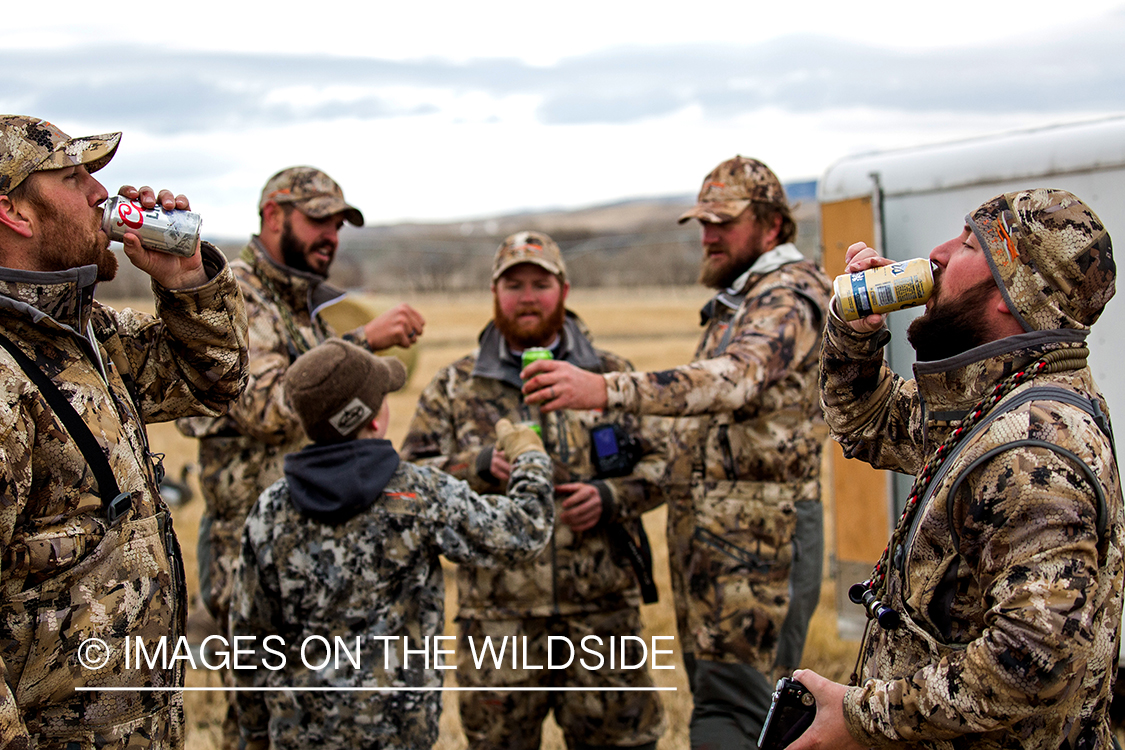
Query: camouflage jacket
<point x="68" y="574"/>
<point x="241" y="452"/>
<point x="1010" y="592"/>
<point x="453" y="430"/>
<point x="743" y="449"/>
<point x="372" y="575"/>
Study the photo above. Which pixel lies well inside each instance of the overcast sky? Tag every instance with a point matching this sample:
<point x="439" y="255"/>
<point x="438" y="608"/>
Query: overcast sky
<point x="440" y="111"/>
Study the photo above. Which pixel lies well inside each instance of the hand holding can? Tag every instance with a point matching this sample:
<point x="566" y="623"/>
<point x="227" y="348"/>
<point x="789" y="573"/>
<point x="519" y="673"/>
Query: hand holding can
<point x="175" y="232"/>
<point x="884" y="289"/>
<point x="534" y="354"/>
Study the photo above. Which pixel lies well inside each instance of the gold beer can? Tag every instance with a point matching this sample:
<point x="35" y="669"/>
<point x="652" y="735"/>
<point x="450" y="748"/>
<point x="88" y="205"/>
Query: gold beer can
<point x="905" y="283"/>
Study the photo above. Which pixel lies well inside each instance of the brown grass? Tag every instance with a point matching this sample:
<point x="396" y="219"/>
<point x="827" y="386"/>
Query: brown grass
<point x="655" y="329"/>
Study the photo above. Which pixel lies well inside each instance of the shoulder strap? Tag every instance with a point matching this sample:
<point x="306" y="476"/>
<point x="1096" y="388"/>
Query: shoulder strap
<point x="639" y="554"/>
<point x="1039" y="393"/>
<point x="119" y="502"/>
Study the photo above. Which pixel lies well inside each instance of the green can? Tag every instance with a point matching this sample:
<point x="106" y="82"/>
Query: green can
<point x="535" y="354"/>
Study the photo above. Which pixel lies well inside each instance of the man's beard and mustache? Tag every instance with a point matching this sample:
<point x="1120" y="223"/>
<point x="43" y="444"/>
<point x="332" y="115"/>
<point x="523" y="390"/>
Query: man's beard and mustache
<point x="66" y="244"/>
<point x="721" y="271"/>
<point x="521" y="335"/>
<point x="294" y="253"/>
<point x="953" y="326"/>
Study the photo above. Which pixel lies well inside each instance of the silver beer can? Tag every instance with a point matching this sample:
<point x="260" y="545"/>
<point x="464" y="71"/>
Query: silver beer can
<point x="175" y="232"/>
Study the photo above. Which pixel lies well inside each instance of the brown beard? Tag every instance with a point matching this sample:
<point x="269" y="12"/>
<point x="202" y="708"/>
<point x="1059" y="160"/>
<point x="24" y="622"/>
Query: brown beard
<point x="522" y="337"/>
<point x="719" y="277"/>
<point x="954" y="326"/>
<point x="720" y="274"/>
<point x="64" y="245"/>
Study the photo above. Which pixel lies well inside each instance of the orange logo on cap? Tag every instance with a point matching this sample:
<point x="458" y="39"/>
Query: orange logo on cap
<point x="719" y="185"/>
<point x="1002" y="228"/>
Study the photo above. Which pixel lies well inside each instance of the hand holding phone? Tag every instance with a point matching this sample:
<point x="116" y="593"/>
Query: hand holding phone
<point x="791" y="712"/>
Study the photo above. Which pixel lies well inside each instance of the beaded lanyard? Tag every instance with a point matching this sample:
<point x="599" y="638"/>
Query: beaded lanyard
<point x="869" y="592"/>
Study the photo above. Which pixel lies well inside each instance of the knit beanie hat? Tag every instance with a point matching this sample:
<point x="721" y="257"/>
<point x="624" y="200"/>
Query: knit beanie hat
<point x="338" y="387"/>
<point x="1050" y="255"/>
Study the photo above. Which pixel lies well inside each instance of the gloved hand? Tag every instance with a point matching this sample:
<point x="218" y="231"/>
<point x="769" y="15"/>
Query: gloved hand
<point x="516" y="440"/>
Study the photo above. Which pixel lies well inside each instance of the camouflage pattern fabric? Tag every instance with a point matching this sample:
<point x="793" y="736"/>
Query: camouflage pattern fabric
<point x="1051" y="256"/>
<point x="241" y="452"/>
<point x="582" y="574"/>
<point x="453" y="428"/>
<point x="731" y="187"/>
<point x="1010" y="636"/>
<point x="313" y="192"/>
<point x="377" y="574"/>
<point x="532" y="247"/>
<point x="67" y="574"/>
<point x="742" y="453"/>
<point x="507" y="719"/>
<point x="29" y="144"/>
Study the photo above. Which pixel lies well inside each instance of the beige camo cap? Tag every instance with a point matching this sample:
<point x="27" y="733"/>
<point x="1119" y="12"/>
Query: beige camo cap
<point x="28" y="144"/>
<point x="528" y="247"/>
<point x="1051" y="256"/>
<point x="732" y="187"/>
<point x="313" y="192"/>
<point x="337" y="387"/>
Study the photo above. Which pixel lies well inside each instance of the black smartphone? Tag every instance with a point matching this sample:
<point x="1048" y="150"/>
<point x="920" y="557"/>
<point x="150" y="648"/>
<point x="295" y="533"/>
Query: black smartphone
<point x="791" y="712"/>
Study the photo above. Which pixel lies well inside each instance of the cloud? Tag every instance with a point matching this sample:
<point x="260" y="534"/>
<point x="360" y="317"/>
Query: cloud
<point x="1060" y="73"/>
<point x="199" y="92"/>
<point x="1072" y="70"/>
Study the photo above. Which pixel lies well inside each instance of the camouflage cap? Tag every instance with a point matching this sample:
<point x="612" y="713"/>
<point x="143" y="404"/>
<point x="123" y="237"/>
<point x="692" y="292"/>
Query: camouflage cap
<point x="28" y="144"/>
<point x="313" y="192"/>
<point x="1051" y="256"/>
<point x="337" y="388"/>
<point x="732" y="187"/>
<point x="528" y="247"/>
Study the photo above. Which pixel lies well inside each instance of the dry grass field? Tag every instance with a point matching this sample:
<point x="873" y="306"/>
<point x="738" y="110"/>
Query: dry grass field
<point x="655" y="328"/>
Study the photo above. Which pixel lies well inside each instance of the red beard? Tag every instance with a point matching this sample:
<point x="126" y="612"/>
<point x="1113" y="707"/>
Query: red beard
<point x="67" y="244"/>
<point x="521" y="335"/>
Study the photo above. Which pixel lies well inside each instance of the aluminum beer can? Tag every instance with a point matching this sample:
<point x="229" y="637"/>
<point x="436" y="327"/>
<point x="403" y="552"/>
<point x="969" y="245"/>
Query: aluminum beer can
<point x="905" y="283"/>
<point x="175" y="232"/>
<point x="534" y="354"/>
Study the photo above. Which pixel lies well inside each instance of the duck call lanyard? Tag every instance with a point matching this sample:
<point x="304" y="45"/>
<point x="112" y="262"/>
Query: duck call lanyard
<point x="115" y="502"/>
<point x="869" y="592"/>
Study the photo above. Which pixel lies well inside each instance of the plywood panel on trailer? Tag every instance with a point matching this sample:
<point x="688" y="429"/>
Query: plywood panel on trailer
<point x="860" y="491"/>
<point x="841" y="224"/>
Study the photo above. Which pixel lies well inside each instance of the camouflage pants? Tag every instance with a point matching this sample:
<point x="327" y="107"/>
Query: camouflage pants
<point x="731" y="699"/>
<point x="513" y="720"/>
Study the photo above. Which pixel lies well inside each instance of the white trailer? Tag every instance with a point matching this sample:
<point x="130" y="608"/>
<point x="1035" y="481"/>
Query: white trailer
<point x="907" y="201"/>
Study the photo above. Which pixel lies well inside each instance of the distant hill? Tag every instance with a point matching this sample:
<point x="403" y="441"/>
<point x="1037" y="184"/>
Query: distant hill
<point x="626" y="243"/>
